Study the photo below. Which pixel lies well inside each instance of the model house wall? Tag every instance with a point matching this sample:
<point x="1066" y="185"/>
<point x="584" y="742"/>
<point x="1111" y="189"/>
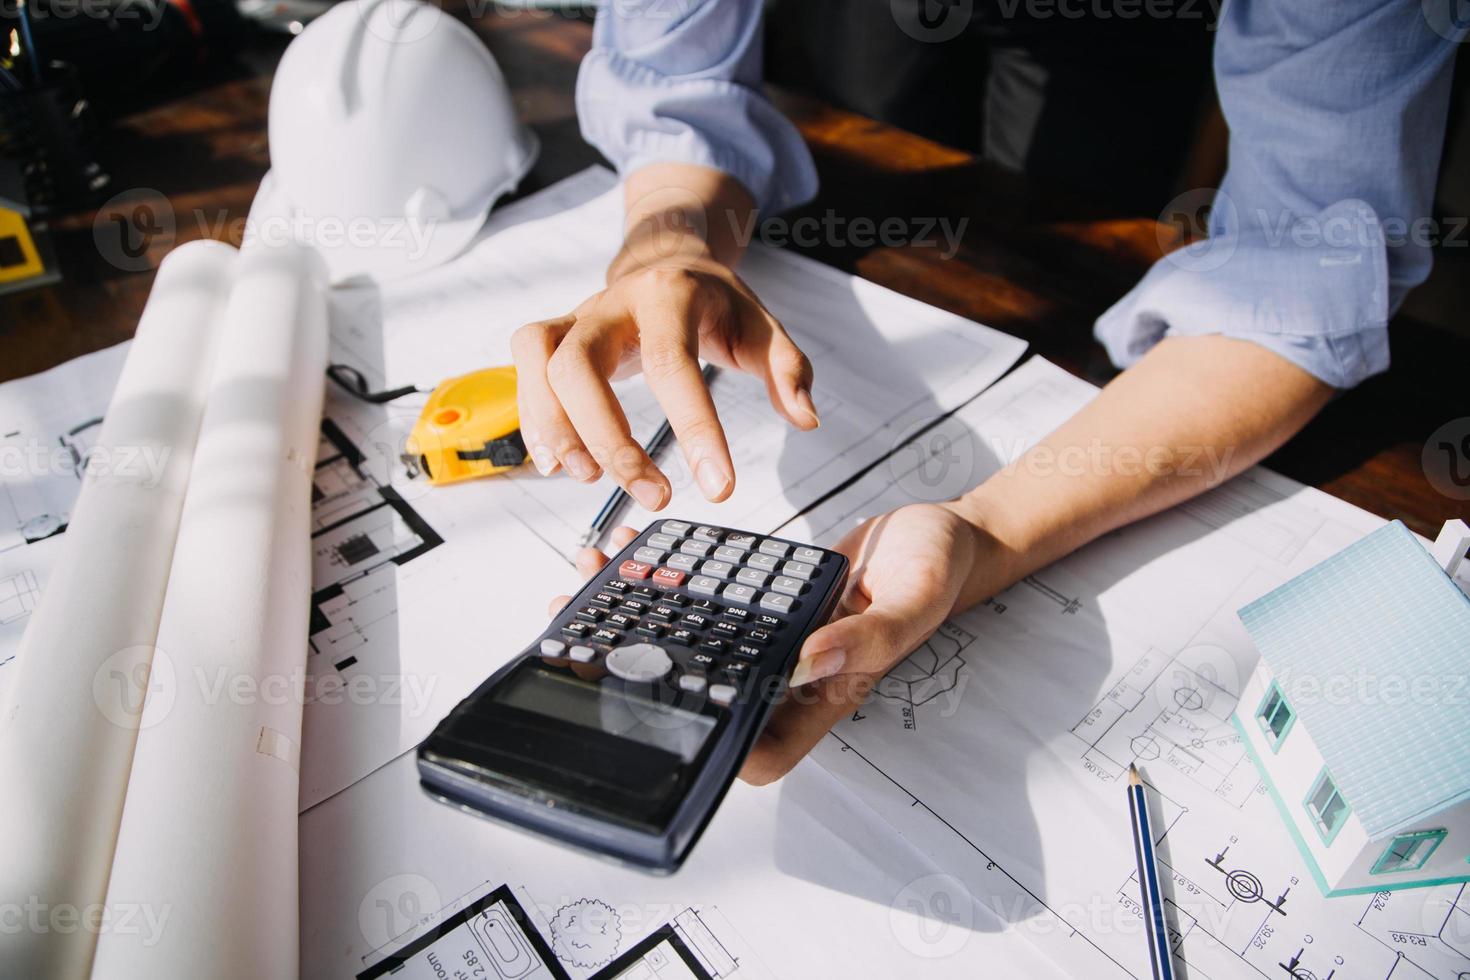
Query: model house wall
<point x="1291" y="765"/>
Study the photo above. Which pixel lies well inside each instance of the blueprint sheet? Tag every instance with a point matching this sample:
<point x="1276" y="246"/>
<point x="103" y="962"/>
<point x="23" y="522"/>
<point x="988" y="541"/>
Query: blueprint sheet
<point x="419" y="594"/>
<point x="998" y="747"/>
<point x="885" y="364"/>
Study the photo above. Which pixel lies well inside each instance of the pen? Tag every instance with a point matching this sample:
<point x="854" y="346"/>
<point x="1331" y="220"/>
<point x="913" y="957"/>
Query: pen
<point x="615" y="502"/>
<point x="1148" y="880"/>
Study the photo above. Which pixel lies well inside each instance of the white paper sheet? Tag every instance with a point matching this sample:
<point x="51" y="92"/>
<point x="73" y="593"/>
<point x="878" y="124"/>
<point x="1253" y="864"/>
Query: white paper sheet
<point x="1005" y="735"/>
<point x="71" y="712"/>
<point x="796" y="880"/>
<point x="209" y="822"/>
<point x="885" y="363"/>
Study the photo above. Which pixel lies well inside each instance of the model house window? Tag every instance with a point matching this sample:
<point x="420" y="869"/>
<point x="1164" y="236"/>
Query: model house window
<point x="1408" y="852"/>
<point x="1328" y="809"/>
<point x="1275" y="715"/>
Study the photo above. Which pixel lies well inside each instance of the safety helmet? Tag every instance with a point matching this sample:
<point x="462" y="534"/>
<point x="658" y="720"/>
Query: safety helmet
<point x="391" y="134"/>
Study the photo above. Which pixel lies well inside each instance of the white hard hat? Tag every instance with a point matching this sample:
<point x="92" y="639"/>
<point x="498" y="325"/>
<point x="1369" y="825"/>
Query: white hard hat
<point x="391" y="134"/>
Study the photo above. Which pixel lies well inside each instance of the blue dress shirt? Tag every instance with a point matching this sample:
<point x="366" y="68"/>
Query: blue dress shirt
<point x="1336" y="112"/>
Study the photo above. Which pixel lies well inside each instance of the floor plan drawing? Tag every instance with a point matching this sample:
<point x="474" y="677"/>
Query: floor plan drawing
<point x="362" y="529"/>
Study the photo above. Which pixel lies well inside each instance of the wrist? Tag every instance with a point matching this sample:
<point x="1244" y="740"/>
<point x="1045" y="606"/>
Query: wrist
<point x="666" y="248"/>
<point x="994" y="564"/>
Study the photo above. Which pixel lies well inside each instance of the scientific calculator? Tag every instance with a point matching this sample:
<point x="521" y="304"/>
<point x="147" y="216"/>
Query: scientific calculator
<point x="621" y="727"/>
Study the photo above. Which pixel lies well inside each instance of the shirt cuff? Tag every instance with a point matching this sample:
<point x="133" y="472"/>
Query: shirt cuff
<point x="1313" y="291"/>
<point x="636" y="116"/>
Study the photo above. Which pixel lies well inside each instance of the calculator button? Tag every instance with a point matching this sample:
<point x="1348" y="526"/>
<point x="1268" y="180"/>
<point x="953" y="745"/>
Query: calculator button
<point x="684" y="563"/>
<point x="739" y="539"/>
<point x="617" y="586"/>
<point x="726" y="631"/>
<point x="799" y="569"/>
<point x="718" y="569"/>
<point x="666" y="542"/>
<point x="635" y="569"/>
<point x="767" y="621"/>
<point x="639" y="662"/>
<point x="683" y="637"/>
<point x="713" y="646"/>
<point x="693" y="683"/>
<point x="677" y="528"/>
<point x="704" y="585"/>
<point x="643" y="592"/>
<point x="787" y="585"/>
<point x="707" y="607"/>
<point x="650" y="629"/>
<point x="748" y="651"/>
<point x="736" y="614"/>
<point x="650" y="555"/>
<point x="663" y="613"/>
<point x="576" y="631"/>
<point x="634" y="607"/>
<point x="702" y="661"/>
<point x="706" y="533"/>
<point x="604" y="600"/>
<point x="759" y="636"/>
<point x="775" y="548"/>
<point x="552" y="648"/>
<point x="764" y="563"/>
<point x="739" y="593"/>
<point x="582" y="654"/>
<point x="589" y="615"/>
<point x="698" y="549"/>
<point x="813" y="555"/>
<point x="695" y="621"/>
<point x="669" y="577"/>
<point x="752" y="576"/>
<point x="737" y="671"/>
<point x="607" y="636"/>
<point x="621" y="621"/>
<point x="776" y="603"/>
<point x="675" y="599"/>
<point x="727" y="553"/>
<point x="722" y="693"/>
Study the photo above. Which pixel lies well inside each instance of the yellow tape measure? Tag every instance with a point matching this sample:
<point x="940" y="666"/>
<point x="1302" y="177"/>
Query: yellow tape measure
<point x="470" y="428"/>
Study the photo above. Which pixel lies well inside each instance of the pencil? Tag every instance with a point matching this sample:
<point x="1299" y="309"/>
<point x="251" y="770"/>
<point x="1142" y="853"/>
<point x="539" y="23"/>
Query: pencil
<point x="1148" y="880"/>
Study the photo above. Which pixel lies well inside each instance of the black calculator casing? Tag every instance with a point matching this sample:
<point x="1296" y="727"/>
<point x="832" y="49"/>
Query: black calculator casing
<point x="512" y="750"/>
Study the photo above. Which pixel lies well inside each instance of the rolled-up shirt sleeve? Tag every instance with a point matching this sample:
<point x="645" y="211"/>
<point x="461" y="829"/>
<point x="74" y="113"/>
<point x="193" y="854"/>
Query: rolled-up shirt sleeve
<point x="680" y="81"/>
<point x="1321" y="226"/>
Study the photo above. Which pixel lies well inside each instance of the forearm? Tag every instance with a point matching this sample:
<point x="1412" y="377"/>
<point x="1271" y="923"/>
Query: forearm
<point x="1190" y="415"/>
<point x="682" y="212"/>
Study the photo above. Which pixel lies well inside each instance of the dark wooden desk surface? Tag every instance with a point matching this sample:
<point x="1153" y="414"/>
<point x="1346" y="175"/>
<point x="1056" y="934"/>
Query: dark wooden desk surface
<point x="1033" y="263"/>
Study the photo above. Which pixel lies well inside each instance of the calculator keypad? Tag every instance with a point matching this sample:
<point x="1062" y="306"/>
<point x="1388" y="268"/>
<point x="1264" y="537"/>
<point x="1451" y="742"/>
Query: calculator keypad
<point x="698" y="607"/>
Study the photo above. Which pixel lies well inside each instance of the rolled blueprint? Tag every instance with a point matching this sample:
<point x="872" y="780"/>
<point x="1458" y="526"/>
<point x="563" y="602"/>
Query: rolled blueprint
<point x="71" y="713"/>
<point x="207" y="848"/>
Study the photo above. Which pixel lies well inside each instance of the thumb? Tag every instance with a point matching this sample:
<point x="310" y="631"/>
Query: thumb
<point x="869" y="642"/>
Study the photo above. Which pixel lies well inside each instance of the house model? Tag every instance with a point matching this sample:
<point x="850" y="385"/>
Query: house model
<point x="1358" y="716"/>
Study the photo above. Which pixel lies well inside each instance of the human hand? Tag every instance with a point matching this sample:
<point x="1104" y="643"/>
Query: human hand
<point x="911" y="569"/>
<point x="661" y="318"/>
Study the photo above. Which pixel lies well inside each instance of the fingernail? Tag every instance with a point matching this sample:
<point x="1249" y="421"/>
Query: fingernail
<point x="580" y="465"/>
<point x="804" y="400"/>
<point x="817" y="666"/>
<point x="544" y="459"/>
<point x="713" y="479"/>
<point x="648" y="494"/>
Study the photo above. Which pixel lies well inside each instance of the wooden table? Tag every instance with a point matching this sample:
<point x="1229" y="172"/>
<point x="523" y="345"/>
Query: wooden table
<point x="1034" y="263"/>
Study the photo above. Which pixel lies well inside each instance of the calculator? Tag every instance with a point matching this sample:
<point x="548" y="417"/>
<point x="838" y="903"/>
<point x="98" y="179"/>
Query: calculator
<point x="621" y="727"/>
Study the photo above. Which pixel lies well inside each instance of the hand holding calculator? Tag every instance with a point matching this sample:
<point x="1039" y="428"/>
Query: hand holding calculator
<point x="622" y="726"/>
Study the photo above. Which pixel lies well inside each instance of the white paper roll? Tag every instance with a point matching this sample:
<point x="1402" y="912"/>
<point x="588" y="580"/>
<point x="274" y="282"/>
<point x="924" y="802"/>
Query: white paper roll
<point x="208" y="838"/>
<point x="70" y="717"/>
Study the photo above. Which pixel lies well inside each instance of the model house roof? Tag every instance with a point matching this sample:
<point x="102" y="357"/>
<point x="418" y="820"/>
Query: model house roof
<point x="1372" y="650"/>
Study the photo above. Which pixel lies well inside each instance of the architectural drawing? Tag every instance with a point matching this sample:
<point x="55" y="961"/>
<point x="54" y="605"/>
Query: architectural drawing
<point x="586" y="933"/>
<point x="363" y="530"/>
<point x="930" y="672"/>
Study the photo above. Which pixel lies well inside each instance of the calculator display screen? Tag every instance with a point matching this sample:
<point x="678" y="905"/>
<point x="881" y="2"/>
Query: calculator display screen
<point x="606" y="707"/>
